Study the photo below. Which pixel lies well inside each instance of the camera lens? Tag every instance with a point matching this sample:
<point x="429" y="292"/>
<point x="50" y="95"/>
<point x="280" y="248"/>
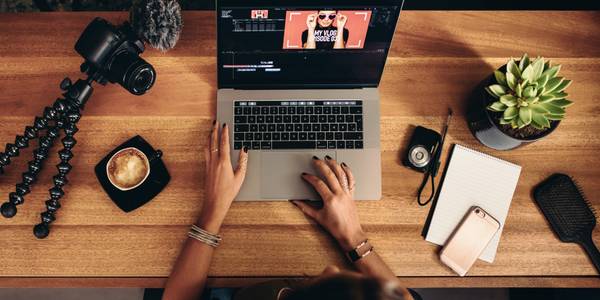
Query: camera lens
<point x="419" y="156"/>
<point x="139" y="77"/>
<point x="142" y="80"/>
<point x="132" y="72"/>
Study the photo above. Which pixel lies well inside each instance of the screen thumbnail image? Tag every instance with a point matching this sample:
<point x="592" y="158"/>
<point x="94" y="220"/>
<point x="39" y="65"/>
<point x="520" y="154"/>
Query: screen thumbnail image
<point x="326" y="29"/>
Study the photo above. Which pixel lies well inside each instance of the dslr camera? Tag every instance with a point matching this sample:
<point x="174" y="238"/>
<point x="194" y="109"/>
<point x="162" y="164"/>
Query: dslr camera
<point x="113" y="52"/>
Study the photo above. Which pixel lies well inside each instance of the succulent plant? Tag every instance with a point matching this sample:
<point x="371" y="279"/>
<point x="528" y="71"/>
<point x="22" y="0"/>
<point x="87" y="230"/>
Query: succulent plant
<point x="529" y="93"/>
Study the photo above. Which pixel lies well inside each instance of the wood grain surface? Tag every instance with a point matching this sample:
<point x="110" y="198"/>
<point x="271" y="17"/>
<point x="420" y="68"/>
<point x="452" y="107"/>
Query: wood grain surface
<point x="436" y="60"/>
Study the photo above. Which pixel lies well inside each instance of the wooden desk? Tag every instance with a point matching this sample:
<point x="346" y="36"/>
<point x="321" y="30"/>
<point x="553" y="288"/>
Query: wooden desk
<point x="436" y="59"/>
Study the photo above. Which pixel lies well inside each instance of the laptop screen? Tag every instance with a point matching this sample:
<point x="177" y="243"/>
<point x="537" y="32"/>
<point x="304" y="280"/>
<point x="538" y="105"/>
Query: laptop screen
<point x="303" y="44"/>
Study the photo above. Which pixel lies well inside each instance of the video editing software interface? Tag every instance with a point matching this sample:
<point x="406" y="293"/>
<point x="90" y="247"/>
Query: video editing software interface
<point x="304" y="46"/>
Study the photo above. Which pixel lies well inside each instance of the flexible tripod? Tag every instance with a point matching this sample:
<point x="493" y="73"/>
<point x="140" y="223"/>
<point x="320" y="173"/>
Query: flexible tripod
<point x="62" y="115"/>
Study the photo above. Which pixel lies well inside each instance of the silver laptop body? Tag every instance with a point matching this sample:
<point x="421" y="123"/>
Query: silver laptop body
<point x="275" y="174"/>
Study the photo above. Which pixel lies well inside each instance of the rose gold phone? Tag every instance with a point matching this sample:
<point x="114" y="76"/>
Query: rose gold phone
<point x="468" y="241"/>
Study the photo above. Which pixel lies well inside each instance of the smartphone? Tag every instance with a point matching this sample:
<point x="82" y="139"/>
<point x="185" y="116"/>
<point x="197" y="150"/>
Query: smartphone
<point x="469" y="240"/>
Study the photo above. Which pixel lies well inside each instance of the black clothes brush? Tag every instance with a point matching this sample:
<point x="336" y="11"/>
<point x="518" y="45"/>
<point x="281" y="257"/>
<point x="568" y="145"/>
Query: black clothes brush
<point x="571" y="216"/>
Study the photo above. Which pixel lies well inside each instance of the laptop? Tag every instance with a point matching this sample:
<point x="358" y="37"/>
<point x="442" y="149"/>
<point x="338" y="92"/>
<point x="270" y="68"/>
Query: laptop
<point x="299" y="79"/>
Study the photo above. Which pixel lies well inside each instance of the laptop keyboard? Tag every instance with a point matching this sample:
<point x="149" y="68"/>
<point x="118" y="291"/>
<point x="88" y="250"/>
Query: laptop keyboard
<point x="326" y="124"/>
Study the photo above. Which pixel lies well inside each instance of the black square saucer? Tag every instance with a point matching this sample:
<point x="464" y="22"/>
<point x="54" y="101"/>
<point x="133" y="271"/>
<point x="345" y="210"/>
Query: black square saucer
<point x="134" y="198"/>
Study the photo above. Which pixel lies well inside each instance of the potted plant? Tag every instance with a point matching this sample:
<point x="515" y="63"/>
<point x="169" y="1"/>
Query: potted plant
<point x="523" y="101"/>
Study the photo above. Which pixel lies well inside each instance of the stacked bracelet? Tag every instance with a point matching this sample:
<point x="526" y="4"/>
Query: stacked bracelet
<point x="204" y="236"/>
<point x="363" y="249"/>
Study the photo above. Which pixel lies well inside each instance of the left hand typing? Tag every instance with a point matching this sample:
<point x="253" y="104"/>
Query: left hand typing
<point x="221" y="182"/>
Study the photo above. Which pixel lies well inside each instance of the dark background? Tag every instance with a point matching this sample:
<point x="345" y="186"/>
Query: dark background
<point x="83" y="5"/>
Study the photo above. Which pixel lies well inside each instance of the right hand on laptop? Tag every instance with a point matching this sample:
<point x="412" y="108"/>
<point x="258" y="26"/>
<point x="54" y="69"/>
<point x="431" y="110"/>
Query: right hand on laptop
<point x="338" y="214"/>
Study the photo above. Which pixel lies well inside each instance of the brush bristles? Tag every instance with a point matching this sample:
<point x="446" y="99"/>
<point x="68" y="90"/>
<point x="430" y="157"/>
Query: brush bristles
<point x="585" y="200"/>
<point x="566" y="209"/>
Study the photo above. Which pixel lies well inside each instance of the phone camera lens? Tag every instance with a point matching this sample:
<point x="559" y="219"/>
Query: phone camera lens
<point x="479" y="212"/>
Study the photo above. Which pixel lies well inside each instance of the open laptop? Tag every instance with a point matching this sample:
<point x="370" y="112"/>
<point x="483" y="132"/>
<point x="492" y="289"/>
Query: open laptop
<point x="298" y="80"/>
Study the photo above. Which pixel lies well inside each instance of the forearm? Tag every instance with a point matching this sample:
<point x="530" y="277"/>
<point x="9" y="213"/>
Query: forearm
<point x="310" y="40"/>
<point x="188" y="278"/>
<point x="339" y="40"/>
<point x="371" y="264"/>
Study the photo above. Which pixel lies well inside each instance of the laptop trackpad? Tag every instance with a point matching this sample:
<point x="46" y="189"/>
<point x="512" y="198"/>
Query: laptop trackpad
<point x="280" y="174"/>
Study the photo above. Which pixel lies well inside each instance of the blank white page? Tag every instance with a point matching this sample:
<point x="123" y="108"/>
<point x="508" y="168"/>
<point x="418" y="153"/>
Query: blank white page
<point x="473" y="179"/>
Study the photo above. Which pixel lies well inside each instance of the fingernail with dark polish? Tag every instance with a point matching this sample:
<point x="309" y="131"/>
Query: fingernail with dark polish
<point x="214" y="122"/>
<point x="304" y="173"/>
<point x="245" y="149"/>
<point x="327" y="157"/>
<point x="224" y="124"/>
<point x="315" y="158"/>
<point x="344" y="165"/>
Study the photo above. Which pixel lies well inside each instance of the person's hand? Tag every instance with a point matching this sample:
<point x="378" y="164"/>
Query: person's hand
<point x="341" y="22"/>
<point x="311" y="21"/>
<point x="221" y="182"/>
<point x="338" y="214"/>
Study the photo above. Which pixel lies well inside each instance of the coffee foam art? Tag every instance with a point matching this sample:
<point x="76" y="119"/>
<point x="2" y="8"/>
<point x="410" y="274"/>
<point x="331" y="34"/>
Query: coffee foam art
<point x="127" y="168"/>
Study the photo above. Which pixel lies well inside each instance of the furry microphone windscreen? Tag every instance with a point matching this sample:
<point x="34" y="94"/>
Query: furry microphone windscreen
<point x="157" y="22"/>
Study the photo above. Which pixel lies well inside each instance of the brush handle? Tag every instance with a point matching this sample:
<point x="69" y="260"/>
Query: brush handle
<point x="588" y="244"/>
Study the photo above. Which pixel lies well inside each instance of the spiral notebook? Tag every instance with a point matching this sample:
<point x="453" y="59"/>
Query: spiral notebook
<point x="473" y="178"/>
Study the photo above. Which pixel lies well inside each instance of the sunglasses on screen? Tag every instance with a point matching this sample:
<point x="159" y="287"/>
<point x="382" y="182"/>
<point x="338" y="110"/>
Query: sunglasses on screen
<point x="331" y="17"/>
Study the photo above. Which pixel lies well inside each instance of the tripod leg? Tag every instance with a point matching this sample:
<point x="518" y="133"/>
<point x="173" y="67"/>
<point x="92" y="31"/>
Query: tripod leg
<point x="9" y="208"/>
<point x="65" y="113"/>
<point x="42" y="229"/>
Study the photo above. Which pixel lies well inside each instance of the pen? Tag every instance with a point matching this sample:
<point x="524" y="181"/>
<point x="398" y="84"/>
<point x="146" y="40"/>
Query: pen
<point x="440" y="147"/>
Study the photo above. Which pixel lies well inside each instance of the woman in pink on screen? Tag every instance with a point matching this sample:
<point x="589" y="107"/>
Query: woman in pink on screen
<point x="320" y="32"/>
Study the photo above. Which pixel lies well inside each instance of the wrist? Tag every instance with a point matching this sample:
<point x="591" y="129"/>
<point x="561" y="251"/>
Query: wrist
<point x="209" y="224"/>
<point x="350" y="241"/>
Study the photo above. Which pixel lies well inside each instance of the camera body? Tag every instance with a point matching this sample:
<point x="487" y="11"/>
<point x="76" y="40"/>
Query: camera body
<point x="114" y="53"/>
<point x="421" y="149"/>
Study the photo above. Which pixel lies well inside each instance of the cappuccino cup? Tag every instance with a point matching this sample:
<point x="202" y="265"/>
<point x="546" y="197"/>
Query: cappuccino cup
<point x="128" y="168"/>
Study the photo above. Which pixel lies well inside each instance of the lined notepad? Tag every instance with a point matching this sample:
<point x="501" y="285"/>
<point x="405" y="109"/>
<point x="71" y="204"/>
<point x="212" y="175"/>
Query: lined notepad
<point x="473" y="179"/>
